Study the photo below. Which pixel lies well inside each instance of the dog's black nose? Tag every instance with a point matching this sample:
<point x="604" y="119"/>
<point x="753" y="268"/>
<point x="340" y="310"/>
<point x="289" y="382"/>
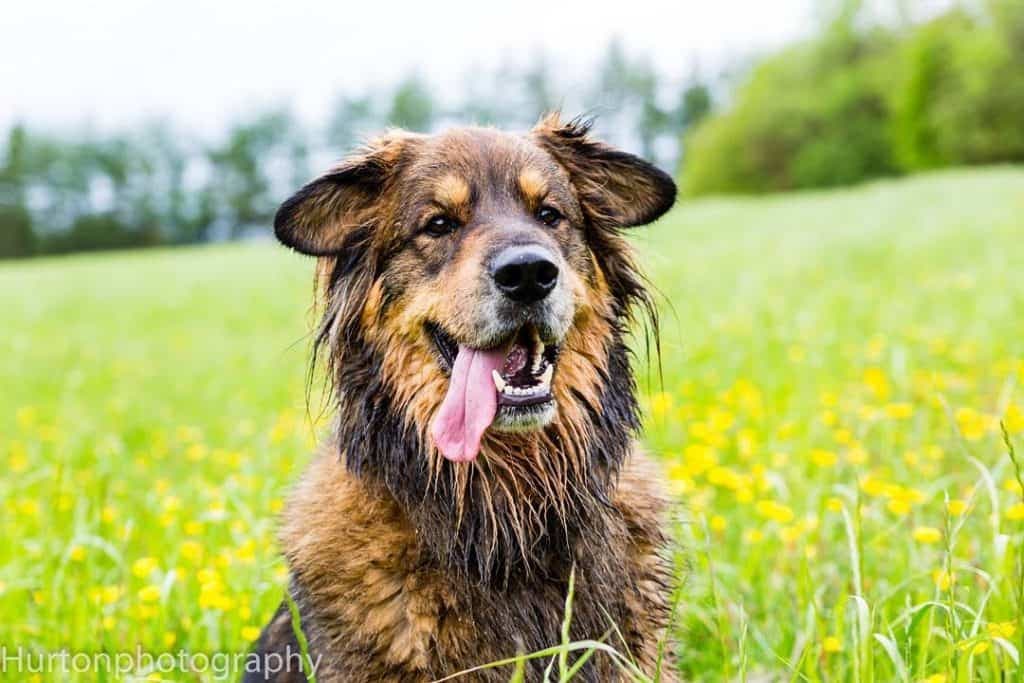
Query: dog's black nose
<point x="525" y="273"/>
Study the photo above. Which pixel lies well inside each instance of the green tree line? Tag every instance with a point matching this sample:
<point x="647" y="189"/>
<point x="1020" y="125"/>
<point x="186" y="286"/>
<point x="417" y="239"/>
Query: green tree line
<point x="864" y="100"/>
<point x="156" y="184"/>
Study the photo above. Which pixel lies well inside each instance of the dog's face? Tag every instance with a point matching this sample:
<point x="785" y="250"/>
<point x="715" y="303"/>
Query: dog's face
<point x="483" y="268"/>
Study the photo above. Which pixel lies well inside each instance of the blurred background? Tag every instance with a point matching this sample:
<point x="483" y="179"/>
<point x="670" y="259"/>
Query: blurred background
<point x="130" y="124"/>
<point x="837" y="400"/>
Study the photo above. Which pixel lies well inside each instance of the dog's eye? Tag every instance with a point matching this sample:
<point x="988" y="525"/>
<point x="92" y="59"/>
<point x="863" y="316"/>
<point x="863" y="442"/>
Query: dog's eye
<point x="440" y="225"/>
<point x="548" y="216"/>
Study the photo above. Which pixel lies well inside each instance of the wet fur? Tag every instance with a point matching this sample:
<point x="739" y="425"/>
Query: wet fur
<point x="404" y="566"/>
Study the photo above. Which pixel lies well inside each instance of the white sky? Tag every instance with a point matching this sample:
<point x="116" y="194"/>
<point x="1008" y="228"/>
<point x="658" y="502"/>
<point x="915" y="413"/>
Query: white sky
<point x="114" y="62"/>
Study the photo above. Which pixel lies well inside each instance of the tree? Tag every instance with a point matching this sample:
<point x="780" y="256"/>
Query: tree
<point x="537" y="89"/>
<point x="17" y="239"/>
<point x="694" y="105"/>
<point x="242" y="170"/>
<point x="351" y="119"/>
<point x="412" y="106"/>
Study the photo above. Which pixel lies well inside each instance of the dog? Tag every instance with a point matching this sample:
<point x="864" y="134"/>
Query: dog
<point x="476" y="288"/>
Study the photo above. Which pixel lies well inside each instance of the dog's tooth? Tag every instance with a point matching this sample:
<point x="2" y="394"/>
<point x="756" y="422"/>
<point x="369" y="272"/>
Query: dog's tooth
<point x="498" y="381"/>
<point x="549" y="372"/>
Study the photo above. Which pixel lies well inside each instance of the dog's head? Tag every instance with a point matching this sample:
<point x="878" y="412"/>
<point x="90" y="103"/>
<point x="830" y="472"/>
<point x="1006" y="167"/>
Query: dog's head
<point x="485" y="269"/>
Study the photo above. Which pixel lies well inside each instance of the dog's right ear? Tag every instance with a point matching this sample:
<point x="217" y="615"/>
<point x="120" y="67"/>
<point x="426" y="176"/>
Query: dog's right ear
<point x="317" y="219"/>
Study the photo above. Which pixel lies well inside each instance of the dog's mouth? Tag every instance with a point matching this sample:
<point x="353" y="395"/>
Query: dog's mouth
<point x="506" y="386"/>
<point x="526" y="373"/>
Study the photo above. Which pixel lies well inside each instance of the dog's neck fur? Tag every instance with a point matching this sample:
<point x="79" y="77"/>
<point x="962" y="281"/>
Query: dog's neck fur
<point x="493" y="524"/>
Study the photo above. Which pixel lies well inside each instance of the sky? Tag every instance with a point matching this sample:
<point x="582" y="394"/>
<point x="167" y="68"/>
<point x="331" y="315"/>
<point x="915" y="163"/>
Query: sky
<point x="111" y="63"/>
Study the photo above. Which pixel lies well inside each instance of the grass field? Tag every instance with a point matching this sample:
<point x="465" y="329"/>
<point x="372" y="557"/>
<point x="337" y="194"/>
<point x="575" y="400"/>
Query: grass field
<point x="835" y="367"/>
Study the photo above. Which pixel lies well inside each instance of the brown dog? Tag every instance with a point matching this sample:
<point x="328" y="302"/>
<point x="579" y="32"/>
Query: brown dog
<point x="476" y="291"/>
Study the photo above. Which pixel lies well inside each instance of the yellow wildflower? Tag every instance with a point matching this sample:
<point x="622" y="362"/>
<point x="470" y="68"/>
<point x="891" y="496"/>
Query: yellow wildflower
<point x="26" y="416"/>
<point x="191" y="551"/>
<point x="149" y="594"/>
<point x="708" y="434"/>
<point x="661" y="403"/>
<point x="720" y="420"/>
<point x="899" y="411"/>
<point x="927" y="534"/>
<point x="877" y="382"/>
<point x="726" y="478"/>
<point x="144" y="566"/>
<point x="898" y="506"/>
<point x="699" y="458"/>
<point x="973" y="425"/>
<point x="1016" y="512"/>
<point x="856" y="455"/>
<point x="1014" y="419"/>
<point x="943" y="579"/>
<point x="718" y="524"/>
<point x="77" y="553"/>
<point x="250" y="633"/>
<point x="776" y="512"/>
<point x="196" y="452"/>
<point x="834" y="504"/>
<point x="108" y="595"/>
<point x="1002" y="629"/>
<point x="910" y="495"/>
<point x="832" y="644"/>
<point x="976" y="647"/>
<point x="822" y="458"/>
<point x="247" y="551"/>
<point x="208" y="577"/>
<point x="957" y="507"/>
<point x="874" y="487"/>
<point x="18" y="460"/>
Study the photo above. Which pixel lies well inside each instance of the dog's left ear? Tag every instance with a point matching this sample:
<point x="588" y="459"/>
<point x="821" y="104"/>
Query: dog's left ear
<point x="616" y="189"/>
<point x="318" y="219"/>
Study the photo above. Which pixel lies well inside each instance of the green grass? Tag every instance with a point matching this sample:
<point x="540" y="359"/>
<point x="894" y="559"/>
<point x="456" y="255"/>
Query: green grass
<point x="835" y="367"/>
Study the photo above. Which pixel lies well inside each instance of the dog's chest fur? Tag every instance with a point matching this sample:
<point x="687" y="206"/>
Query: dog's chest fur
<point x="377" y="606"/>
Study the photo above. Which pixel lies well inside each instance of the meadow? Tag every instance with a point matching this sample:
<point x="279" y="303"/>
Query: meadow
<point x="834" y="370"/>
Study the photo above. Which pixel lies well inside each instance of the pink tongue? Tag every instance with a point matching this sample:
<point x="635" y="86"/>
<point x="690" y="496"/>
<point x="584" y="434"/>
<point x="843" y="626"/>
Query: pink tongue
<point x="469" y="406"/>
